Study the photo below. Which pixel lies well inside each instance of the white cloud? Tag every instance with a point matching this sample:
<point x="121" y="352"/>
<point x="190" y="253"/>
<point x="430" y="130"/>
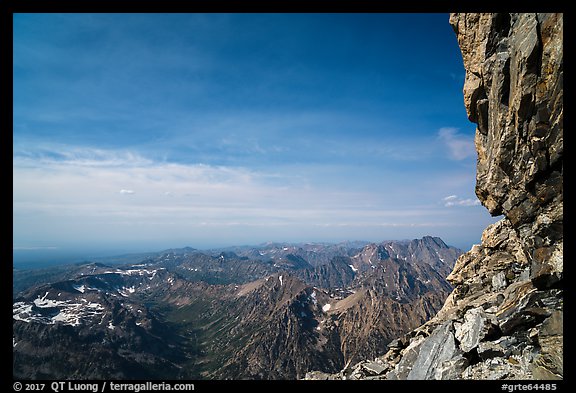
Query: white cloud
<point x="454" y="200"/>
<point x="78" y="177"/>
<point x="459" y="146"/>
<point x="79" y="194"/>
<point x="33" y="248"/>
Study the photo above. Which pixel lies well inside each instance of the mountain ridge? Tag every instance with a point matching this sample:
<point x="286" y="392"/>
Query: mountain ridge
<point x="224" y="316"/>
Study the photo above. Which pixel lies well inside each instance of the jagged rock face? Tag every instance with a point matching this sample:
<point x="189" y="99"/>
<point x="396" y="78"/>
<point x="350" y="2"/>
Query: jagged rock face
<point x="514" y="92"/>
<point x="503" y="319"/>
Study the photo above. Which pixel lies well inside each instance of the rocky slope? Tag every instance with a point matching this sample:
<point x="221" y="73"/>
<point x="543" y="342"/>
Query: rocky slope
<point x="504" y="318"/>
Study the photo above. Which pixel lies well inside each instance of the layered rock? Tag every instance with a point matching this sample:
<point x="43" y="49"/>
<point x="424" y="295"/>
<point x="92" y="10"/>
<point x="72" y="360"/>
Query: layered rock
<point x="504" y="318"/>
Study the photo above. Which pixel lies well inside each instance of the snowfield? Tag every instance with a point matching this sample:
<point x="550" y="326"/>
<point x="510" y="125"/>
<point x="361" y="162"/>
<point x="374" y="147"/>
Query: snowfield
<point x="48" y="311"/>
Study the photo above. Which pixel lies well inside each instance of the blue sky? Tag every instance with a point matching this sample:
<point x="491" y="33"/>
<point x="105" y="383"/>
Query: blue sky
<point x="148" y="131"/>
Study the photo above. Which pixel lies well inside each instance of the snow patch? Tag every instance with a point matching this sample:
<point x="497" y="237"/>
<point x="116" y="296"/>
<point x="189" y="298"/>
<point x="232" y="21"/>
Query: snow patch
<point x="126" y="291"/>
<point x="353" y="268"/>
<point x="313" y="297"/>
<point x="326" y="307"/>
<point x="280" y="278"/>
<point x="135" y="272"/>
<point x="48" y="311"/>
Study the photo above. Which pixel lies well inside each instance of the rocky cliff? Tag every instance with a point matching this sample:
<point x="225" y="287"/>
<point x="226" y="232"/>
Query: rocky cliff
<point x="504" y="318"/>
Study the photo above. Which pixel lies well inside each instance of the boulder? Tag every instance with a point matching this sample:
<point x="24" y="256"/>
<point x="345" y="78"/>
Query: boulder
<point x="549" y="363"/>
<point x="475" y="327"/>
<point x="436" y="349"/>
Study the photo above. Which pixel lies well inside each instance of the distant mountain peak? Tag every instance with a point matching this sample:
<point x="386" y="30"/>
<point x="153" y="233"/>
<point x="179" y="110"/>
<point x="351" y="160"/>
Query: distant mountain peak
<point x="434" y="240"/>
<point x="237" y="312"/>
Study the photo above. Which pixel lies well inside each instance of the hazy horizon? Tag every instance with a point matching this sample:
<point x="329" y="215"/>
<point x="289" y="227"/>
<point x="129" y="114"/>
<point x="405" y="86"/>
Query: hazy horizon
<point x="39" y="257"/>
<point x="141" y="132"/>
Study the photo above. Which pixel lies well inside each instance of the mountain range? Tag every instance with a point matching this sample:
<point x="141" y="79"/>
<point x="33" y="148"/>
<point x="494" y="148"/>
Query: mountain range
<point x="274" y="311"/>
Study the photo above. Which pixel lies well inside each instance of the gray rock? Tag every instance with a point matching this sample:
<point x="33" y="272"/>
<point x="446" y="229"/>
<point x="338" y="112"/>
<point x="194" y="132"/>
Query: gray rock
<point x="528" y="308"/>
<point x="409" y="356"/>
<point x="439" y="347"/>
<point x="489" y="349"/>
<point x="502" y="347"/>
<point x="451" y="369"/>
<point x="475" y="327"/>
<point x="374" y="367"/>
<point x="499" y="281"/>
<point x="490" y="369"/>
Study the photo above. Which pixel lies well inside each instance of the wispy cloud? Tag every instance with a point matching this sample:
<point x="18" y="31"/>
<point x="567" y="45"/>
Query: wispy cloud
<point x="33" y="248"/>
<point x="57" y="154"/>
<point x="72" y="185"/>
<point x="454" y="200"/>
<point x="459" y="146"/>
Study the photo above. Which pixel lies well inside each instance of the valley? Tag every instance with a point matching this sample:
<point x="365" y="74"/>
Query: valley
<point x="274" y="311"/>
